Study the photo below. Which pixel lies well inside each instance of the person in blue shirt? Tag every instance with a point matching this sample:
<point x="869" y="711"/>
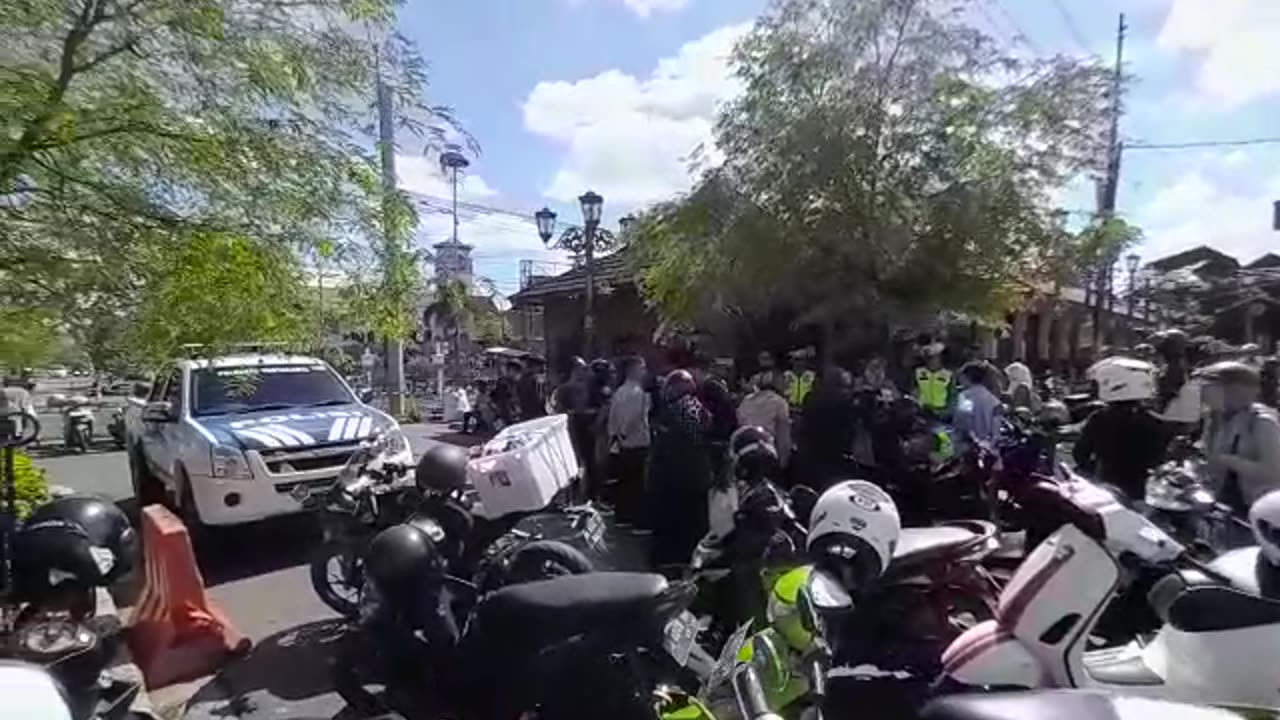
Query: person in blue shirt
<point x="977" y="409"/>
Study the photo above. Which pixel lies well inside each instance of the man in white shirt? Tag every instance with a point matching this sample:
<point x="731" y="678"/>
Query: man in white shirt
<point x="628" y="428"/>
<point x="765" y="407"/>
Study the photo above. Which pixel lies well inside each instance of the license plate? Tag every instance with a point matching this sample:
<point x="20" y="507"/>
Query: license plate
<point x="679" y="636"/>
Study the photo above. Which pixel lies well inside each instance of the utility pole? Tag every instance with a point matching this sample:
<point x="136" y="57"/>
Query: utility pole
<point x="1109" y="187"/>
<point x="391" y="244"/>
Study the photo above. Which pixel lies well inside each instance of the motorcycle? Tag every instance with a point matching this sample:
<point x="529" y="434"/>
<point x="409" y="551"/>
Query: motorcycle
<point x="1212" y="617"/>
<point x="580" y="646"/>
<point x="371" y="494"/>
<point x="57" y="678"/>
<point x="115" y="428"/>
<point x="77" y="424"/>
<point x="1180" y="502"/>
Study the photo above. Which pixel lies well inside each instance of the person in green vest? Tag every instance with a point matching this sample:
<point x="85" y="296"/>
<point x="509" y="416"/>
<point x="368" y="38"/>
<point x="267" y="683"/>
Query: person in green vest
<point x="799" y="382"/>
<point x="933" y="381"/>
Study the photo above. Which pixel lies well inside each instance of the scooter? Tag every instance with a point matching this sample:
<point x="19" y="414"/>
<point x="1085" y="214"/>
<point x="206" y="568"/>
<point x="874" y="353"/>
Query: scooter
<point x="115" y="428"/>
<point x="77" y="424"/>
<point x="1219" y="643"/>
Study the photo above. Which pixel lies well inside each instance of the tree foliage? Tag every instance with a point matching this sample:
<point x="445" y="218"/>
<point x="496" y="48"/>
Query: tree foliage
<point x="882" y="156"/>
<point x="129" y="127"/>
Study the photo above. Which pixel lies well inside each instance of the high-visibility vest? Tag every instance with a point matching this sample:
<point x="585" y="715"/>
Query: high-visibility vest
<point x="933" y="387"/>
<point x="798" y="386"/>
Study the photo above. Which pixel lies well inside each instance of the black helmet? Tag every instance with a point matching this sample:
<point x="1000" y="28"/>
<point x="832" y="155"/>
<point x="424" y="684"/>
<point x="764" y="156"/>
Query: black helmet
<point x="442" y="468"/>
<point x="404" y="558"/>
<point x="679" y="383"/>
<point x="753" y="454"/>
<point x="100" y="544"/>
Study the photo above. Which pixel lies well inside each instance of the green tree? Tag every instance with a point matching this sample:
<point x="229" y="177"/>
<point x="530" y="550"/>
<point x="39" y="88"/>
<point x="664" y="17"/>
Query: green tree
<point x="882" y="157"/>
<point x="128" y="127"/>
<point x="27" y="339"/>
<point x="215" y="289"/>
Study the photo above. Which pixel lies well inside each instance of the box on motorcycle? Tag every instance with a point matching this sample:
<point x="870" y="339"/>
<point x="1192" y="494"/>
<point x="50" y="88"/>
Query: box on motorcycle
<point x="523" y="467"/>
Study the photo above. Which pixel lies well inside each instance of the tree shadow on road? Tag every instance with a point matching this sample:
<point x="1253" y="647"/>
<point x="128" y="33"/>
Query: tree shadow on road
<point x="286" y="674"/>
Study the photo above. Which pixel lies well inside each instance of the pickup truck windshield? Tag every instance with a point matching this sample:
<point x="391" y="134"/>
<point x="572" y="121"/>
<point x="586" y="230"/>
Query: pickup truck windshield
<point x="217" y="391"/>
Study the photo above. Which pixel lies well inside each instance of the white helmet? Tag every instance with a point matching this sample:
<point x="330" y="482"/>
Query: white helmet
<point x="1264" y="518"/>
<point x="1121" y="378"/>
<point x="853" y="531"/>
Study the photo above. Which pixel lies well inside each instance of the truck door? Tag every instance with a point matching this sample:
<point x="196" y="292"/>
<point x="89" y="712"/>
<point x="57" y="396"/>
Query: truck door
<point x="159" y="447"/>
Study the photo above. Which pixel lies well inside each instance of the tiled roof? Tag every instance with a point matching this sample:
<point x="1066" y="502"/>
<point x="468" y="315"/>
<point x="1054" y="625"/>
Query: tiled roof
<point x="614" y="269"/>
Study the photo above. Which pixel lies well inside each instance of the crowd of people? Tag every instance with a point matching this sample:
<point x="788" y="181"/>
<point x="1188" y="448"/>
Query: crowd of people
<point x="654" y="445"/>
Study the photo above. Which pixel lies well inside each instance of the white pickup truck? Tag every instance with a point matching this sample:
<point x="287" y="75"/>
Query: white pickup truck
<point x="225" y="440"/>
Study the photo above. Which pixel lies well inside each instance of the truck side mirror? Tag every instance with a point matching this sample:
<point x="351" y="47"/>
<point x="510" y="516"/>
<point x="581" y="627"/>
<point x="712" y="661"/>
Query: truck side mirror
<point x="158" y="412"/>
<point x="366" y="396"/>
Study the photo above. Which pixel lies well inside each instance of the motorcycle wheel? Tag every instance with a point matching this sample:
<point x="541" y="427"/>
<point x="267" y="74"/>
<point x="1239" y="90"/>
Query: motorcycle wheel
<point x="337" y="574"/>
<point x="543" y="559"/>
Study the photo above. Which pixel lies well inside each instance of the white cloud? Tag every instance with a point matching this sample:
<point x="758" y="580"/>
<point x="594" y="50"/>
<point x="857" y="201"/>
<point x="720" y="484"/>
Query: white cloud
<point x="422" y="175"/>
<point x="630" y="138"/>
<point x="1193" y="210"/>
<point x="1237" y="43"/>
<point x="644" y="8"/>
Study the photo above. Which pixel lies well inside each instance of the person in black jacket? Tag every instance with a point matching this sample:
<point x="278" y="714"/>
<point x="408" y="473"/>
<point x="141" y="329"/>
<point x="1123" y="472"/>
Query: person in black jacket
<point x="1123" y="442"/>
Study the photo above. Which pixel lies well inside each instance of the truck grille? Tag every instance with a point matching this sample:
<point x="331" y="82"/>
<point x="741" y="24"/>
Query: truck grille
<point x="285" y="462"/>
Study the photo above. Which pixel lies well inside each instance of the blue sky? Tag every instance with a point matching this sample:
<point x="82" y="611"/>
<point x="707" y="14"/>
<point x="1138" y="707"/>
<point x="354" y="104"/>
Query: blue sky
<point x="613" y="94"/>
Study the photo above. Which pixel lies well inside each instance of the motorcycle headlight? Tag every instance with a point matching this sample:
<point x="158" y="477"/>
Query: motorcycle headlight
<point x="228" y="462"/>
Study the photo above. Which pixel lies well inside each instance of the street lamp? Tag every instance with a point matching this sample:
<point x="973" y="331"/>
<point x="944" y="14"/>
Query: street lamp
<point x="546" y="220"/>
<point x="584" y="240"/>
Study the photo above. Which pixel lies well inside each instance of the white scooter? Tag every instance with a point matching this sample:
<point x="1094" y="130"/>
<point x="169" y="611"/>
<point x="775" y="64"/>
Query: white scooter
<point x="1220" y="642"/>
<point x="77" y="423"/>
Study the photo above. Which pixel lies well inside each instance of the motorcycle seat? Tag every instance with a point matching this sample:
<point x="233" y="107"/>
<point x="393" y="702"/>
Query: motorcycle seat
<point x="1214" y="608"/>
<point x="548" y="610"/>
<point x="921" y="546"/>
<point x="1061" y="705"/>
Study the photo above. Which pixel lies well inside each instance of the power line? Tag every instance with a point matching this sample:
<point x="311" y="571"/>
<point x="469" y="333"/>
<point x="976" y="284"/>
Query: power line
<point x="1202" y="144"/>
<point x="1072" y="28"/>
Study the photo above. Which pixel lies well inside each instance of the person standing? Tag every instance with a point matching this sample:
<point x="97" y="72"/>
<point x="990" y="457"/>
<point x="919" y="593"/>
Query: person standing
<point x="765" y="407"/>
<point x="716" y="398"/>
<point x="933" y="382"/>
<point x="1123" y="442"/>
<point x="14" y="399"/>
<point x="826" y="430"/>
<point x="505" y="402"/>
<point x="529" y="391"/>
<point x="1242" y="436"/>
<point x="977" y="408"/>
<point x="1022" y="391"/>
<point x="801" y="379"/>
<point x="629" y="443"/>
<point x="572" y="397"/>
<point x="679" y="472"/>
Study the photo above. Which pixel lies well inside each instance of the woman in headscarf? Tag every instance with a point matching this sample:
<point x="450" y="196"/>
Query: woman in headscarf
<point x="679" y="472"/>
<point x="1021" y="390"/>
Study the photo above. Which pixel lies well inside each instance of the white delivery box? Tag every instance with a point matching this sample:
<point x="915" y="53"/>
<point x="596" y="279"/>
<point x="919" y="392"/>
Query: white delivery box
<point x="523" y="467"/>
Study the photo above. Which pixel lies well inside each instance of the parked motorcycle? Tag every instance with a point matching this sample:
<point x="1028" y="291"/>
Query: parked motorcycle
<point x="581" y="646"/>
<point x="1219" y="641"/>
<point x="55" y="676"/>
<point x="115" y="428"/>
<point x="77" y="424"/>
<point x="1180" y="501"/>
<point x="371" y="494"/>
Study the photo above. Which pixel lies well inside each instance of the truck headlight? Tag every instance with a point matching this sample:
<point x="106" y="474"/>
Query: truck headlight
<point x="228" y="462"/>
<point x="397" y="442"/>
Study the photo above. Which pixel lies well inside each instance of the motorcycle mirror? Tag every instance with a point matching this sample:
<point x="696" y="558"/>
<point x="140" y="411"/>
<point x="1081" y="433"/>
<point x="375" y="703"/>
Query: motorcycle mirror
<point x="803" y="498"/>
<point x="826" y="593"/>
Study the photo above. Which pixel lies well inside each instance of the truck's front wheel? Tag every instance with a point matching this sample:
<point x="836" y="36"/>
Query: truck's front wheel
<point x="146" y="487"/>
<point x="201" y="534"/>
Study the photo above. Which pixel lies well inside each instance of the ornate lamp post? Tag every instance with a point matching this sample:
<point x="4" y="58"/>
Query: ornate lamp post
<point x="584" y="240"/>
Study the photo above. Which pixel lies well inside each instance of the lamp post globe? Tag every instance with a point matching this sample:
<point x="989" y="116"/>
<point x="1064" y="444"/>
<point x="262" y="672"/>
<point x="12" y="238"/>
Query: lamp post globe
<point x="546" y="220"/>
<point x="592" y="207"/>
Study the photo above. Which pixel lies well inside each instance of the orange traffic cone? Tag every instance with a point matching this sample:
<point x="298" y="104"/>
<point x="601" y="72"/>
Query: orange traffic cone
<point x="176" y="633"/>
